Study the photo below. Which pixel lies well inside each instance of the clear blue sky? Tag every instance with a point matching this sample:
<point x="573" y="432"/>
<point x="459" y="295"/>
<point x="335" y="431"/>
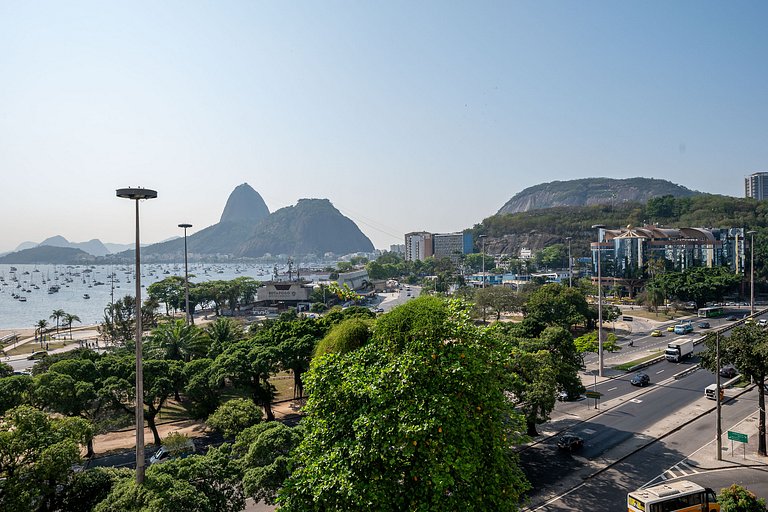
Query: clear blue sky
<point x="406" y="115"/>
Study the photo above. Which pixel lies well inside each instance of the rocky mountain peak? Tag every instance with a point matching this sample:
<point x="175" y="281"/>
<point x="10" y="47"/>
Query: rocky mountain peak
<point x="244" y="205"/>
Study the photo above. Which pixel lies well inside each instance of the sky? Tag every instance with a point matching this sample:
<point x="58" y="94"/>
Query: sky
<point x="407" y="115"/>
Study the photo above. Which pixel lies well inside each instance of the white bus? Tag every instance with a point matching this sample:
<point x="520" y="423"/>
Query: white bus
<point x="680" y="496"/>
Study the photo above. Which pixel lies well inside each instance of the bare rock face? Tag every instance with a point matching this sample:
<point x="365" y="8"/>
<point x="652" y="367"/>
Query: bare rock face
<point x="244" y="206"/>
<point x="591" y="191"/>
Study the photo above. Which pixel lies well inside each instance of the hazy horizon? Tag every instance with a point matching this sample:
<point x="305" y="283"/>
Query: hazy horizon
<point x="405" y="116"/>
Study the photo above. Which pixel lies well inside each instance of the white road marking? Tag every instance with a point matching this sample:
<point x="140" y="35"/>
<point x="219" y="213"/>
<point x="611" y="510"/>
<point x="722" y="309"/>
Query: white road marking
<point x="612" y="389"/>
<point x="635" y="401"/>
<point x="660" y="371"/>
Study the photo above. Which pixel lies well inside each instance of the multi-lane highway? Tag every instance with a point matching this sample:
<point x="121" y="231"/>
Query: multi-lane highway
<point x="629" y="428"/>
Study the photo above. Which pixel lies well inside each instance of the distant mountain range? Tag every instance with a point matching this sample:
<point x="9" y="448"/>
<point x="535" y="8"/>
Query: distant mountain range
<point x="246" y="229"/>
<point x="592" y="191"/>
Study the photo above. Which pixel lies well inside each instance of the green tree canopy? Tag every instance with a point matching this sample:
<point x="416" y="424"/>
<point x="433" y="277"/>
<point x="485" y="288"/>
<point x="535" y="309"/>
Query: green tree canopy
<point x="738" y="499"/>
<point x="36" y="453"/>
<point x="415" y="419"/>
<point x="697" y="284"/>
<point x="234" y="416"/>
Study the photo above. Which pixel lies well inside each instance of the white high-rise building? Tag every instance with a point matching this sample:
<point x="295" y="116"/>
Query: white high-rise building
<point x="756" y="186"/>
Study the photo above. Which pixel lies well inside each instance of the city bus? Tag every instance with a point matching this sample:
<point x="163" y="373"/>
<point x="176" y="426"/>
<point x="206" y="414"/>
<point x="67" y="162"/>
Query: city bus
<point x="710" y="312"/>
<point x="680" y="496"/>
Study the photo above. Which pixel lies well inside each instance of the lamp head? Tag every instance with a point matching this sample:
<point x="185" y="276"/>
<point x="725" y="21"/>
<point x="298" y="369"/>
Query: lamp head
<point x="136" y="193"/>
<point x="185" y="226"/>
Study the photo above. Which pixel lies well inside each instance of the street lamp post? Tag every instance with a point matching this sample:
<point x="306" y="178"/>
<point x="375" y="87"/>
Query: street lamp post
<point x="186" y="275"/>
<point x="137" y="194"/>
<point x="751" y="272"/>
<point x="482" y="239"/>
<point x="717" y="391"/>
<point x="599" y="305"/>
<point x="570" y="266"/>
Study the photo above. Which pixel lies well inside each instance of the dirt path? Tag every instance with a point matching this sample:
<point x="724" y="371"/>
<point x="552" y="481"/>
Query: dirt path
<point x="126" y="439"/>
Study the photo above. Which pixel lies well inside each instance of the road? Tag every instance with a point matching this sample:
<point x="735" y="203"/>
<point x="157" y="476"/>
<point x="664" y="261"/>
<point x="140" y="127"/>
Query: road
<point x="677" y="455"/>
<point x="629" y="431"/>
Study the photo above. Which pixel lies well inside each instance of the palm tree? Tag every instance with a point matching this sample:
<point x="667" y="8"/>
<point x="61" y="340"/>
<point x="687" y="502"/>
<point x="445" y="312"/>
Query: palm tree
<point x="177" y="340"/>
<point x="221" y="333"/>
<point x="41" y="325"/>
<point x="57" y="315"/>
<point x="69" y="318"/>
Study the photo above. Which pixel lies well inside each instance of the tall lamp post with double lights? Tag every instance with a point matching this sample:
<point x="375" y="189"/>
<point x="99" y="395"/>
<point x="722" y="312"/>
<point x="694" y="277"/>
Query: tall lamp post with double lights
<point x="482" y="240"/>
<point x="186" y="275"/>
<point x="136" y="194"/>
<point x="751" y="272"/>
<point x="570" y="265"/>
<point x="599" y="304"/>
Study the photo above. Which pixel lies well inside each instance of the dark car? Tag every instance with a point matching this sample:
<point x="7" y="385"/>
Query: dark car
<point x="569" y="442"/>
<point x="703" y="325"/>
<point x="728" y="371"/>
<point x="731" y="318"/>
<point x="640" y="379"/>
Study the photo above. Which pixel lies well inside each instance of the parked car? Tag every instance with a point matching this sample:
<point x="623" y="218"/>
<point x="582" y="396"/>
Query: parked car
<point x="169" y="452"/>
<point x="731" y="318"/>
<point x="703" y="325"/>
<point x="762" y="322"/>
<point x="656" y="333"/>
<point x="565" y="396"/>
<point x="570" y="442"/>
<point x="728" y="371"/>
<point x="671" y="328"/>
<point x="640" y="379"/>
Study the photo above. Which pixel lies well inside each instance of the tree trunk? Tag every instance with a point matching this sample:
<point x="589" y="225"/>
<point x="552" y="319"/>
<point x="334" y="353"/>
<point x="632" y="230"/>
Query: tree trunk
<point x="298" y="385"/>
<point x="151" y="424"/>
<point x="90" y="452"/>
<point x="531" y="428"/>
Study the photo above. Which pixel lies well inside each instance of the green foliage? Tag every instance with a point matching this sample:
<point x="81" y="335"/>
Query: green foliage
<point x="176" y="340"/>
<point x="264" y="451"/>
<point x="416" y="419"/>
<point x="234" y="416"/>
<point x="85" y="489"/>
<point x="555" y="304"/>
<point x="346" y="336"/>
<point x="697" y="284"/>
<point x="36" y="453"/>
<point x="247" y="365"/>
<point x="6" y="370"/>
<point x="221" y="333"/>
<point x="500" y="299"/>
<point x="201" y="388"/>
<point x="588" y="343"/>
<point x="200" y="483"/>
<point x="738" y="499"/>
<point x="14" y="391"/>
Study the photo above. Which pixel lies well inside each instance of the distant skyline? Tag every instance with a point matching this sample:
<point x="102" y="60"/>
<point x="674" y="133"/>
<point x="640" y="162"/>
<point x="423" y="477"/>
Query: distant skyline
<point x="407" y="116"/>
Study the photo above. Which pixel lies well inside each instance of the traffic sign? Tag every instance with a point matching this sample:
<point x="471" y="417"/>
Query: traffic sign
<point x="737" y="436"/>
<point x="593" y="394"/>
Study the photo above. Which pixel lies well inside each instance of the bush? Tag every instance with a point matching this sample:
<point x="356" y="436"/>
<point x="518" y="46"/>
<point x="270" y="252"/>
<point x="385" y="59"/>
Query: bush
<point x="235" y="416"/>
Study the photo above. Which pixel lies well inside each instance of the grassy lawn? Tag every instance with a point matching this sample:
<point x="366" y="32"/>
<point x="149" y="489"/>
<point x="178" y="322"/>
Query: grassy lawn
<point x="626" y="366"/>
<point x="173" y="411"/>
<point x="28" y="348"/>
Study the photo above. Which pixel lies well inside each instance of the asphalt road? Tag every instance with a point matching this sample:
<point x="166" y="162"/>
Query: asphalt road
<point x="661" y="460"/>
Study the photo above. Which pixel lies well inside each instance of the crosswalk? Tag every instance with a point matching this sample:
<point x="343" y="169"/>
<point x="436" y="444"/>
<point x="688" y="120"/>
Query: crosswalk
<point x="679" y="470"/>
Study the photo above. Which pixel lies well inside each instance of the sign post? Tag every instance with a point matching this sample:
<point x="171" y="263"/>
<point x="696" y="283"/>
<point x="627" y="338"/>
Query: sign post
<point x="739" y="438"/>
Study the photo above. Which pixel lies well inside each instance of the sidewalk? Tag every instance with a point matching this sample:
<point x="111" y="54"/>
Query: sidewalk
<point x="734" y="453"/>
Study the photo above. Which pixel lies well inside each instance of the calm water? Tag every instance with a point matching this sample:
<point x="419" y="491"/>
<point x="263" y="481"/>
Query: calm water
<point x="74" y="281"/>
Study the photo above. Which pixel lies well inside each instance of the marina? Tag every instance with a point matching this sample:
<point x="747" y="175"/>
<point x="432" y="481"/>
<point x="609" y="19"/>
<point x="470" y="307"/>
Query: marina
<point x="29" y="293"/>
